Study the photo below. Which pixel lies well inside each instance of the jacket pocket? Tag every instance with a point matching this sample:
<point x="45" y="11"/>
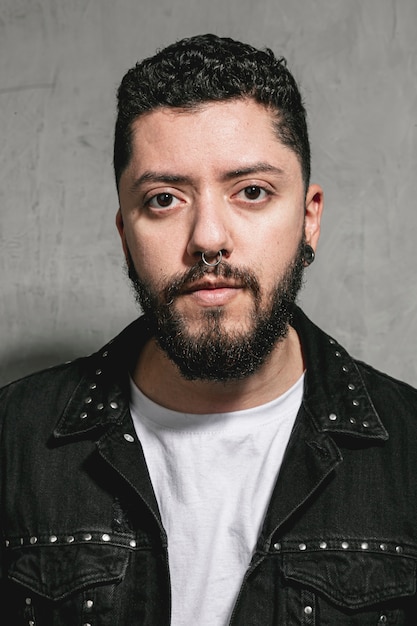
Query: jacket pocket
<point x="355" y="587"/>
<point x="65" y="584"/>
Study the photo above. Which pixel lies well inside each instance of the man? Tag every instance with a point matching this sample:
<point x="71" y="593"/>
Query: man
<point x="222" y="461"/>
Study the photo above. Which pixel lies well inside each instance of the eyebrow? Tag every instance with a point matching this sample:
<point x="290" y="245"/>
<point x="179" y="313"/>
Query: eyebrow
<point x="158" y="177"/>
<point x="167" y="178"/>
<point x="256" y="168"/>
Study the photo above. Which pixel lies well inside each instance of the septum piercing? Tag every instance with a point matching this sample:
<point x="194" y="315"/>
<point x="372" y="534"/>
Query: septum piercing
<point x="219" y="256"/>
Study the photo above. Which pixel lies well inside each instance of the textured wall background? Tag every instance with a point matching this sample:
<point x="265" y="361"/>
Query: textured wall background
<point x="63" y="291"/>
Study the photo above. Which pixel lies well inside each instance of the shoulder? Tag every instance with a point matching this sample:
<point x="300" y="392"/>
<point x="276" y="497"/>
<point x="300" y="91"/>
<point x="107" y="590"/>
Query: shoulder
<point x="44" y="394"/>
<point x="389" y="395"/>
<point x="35" y="393"/>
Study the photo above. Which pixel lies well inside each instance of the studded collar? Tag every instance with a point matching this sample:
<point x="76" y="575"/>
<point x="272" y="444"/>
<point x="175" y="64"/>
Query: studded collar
<point x="335" y="395"/>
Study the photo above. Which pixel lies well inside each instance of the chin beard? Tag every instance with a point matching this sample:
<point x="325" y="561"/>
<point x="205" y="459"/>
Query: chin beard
<point x="214" y="353"/>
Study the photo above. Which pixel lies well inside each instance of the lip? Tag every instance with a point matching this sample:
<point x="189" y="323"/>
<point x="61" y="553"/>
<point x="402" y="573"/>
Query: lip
<point x="212" y="293"/>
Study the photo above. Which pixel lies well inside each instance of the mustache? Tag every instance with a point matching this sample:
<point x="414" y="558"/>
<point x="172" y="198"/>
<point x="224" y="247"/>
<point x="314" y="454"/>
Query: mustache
<point x="180" y="282"/>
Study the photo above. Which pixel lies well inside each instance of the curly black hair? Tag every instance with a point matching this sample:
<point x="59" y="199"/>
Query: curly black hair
<point x="207" y="68"/>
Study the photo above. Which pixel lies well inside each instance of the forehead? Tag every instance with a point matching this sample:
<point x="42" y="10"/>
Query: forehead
<point x="212" y="135"/>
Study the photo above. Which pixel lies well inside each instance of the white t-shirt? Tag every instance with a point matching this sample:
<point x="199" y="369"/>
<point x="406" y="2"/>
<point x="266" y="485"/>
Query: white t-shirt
<point x="213" y="477"/>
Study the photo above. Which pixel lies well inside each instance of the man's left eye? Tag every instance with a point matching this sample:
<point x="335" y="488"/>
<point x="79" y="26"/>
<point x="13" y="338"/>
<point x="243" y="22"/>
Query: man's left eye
<point x="253" y="192"/>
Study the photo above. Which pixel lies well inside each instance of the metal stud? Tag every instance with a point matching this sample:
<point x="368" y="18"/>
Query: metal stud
<point x="364" y="545"/>
<point x="128" y="437"/>
<point x="399" y="549"/>
<point x="132" y="543"/>
<point x="105" y="537"/>
<point x="351" y="387"/>
<point x="114" y="405"/>
<point x="33" y="540"/>
<point x="338" y="354"/>
<point x="70" y="539"/>
<point x="93" y="386"/>
<point x="365" y="424"/>
<point x="53" y="539"/>
<point x="352" y="420"/>
<point x="302" y="547"/>
<point x="323" y="545"/>
<point x="88" y="400"/>
<point x="87" y="537"/>
<point x="355" y="402"/>
<point x="383" y="547"/>
<point x="332" y="417"/>
<point x="277" y="547"/>
<point x="345" y="545"/>
<point x="98" y="372"/>
<point x="308" y="610"/>
<point x="100" y="406"/>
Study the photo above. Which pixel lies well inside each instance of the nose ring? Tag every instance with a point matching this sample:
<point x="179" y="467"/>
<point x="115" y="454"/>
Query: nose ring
<point x="218" y="258"/>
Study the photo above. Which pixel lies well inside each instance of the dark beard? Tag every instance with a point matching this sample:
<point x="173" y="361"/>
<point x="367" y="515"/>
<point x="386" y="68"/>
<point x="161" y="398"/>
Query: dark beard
<point x="216" y="354"/>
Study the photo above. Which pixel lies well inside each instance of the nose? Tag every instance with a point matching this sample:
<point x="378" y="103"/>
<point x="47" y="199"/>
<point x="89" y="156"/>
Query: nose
<point x="210" y="231"/>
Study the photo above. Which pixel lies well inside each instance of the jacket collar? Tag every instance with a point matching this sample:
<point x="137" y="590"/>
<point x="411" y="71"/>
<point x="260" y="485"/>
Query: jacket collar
<point x="335" y="394"/>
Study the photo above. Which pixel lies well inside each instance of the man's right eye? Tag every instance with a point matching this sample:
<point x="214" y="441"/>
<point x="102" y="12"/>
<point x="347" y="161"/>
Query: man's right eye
<point x="162" y="201"/>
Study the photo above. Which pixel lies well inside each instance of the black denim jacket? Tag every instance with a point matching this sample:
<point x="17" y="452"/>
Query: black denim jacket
<point x="83" y="542"/>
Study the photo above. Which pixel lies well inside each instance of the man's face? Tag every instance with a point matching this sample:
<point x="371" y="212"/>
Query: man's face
<point x="215" y="179"/>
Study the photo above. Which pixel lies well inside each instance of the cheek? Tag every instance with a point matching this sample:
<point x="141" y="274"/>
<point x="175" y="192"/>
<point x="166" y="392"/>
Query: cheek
<point x="151" y="257"/>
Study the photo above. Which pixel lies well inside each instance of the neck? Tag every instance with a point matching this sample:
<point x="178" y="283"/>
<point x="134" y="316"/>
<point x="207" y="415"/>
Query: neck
<point x="160" y="380"/>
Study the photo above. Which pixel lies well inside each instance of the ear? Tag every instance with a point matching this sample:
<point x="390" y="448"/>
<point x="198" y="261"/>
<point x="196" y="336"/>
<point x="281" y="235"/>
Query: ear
<point x="121" y="228"/>
<point x="313" y="211"/>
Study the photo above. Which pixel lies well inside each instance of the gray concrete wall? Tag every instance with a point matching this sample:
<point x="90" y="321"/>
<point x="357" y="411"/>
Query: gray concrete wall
<point x="63" y="291"/>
